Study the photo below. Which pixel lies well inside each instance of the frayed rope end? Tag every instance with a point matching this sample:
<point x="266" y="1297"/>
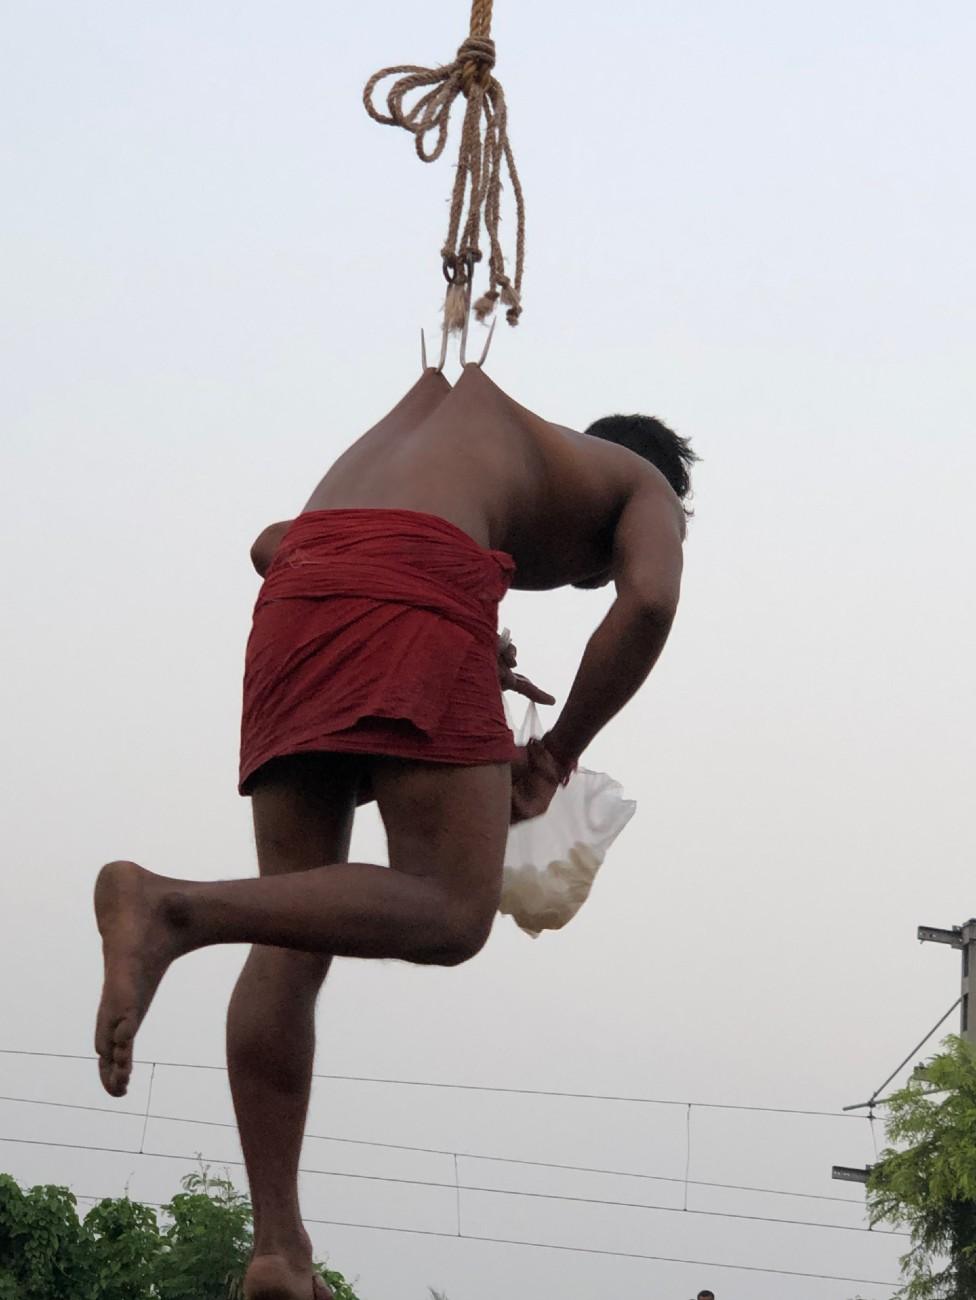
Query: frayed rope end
<point x="510" y="299"/>
<point x="455" y="308"/>
<point x="485" y="307"/>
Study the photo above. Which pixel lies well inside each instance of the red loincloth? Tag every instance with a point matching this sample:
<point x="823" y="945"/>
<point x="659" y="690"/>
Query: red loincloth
<point x="375" y="632"/>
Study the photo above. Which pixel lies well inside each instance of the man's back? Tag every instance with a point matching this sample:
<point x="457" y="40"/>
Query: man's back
<point x="514" y="482"/>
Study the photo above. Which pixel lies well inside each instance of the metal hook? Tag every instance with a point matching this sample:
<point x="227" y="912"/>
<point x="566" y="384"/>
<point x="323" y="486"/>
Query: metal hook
<point x="491" y="335"/>
<point x="445" y="334"/>
<point x="469" y="265"/>
<point x="467" y="322"/>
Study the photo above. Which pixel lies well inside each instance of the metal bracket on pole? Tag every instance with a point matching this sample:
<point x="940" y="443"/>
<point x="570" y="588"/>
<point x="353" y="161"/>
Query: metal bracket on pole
<point x="845" y="1174"/>
<point x="929" y="934"/>
<point x="962" y="937"/>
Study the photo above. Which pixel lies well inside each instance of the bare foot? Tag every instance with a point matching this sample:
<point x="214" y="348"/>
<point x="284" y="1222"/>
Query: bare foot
<point x="273" y="1277"/>
<point x="138" y="945"/>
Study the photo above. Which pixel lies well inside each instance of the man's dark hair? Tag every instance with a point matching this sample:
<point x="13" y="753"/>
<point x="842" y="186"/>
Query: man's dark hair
<point x="649" y="438"/>
<point x="706" y="1295"/>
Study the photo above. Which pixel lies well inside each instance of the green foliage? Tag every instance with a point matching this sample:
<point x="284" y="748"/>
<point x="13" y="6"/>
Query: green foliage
<point x="43" y="1247"/>
<point x="208" y="1243"/>
<point x="340" y="1287"/>
<point x="120" y="1251"/>
<point x="927" y="1182"/>
<point x="126" y="1245"/>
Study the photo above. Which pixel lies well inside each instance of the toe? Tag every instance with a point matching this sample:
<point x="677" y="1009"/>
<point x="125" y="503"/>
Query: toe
<point x="107" y="1072"/>
<point x="123" y="1036"/>
<point x="122" y="1068"/>
<point x="103" y="1035"/>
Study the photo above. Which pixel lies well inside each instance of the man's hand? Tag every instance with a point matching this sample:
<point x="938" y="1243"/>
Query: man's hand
<point x="513" y="681"/>
<point x="536" y="776"/>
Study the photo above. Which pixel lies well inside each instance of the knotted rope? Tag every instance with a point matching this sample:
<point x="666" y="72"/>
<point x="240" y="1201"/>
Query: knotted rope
<point x="484" y="148"/>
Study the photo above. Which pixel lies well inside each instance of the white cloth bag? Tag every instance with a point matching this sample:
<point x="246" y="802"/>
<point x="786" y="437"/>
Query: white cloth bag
<point x="551" y="861"/>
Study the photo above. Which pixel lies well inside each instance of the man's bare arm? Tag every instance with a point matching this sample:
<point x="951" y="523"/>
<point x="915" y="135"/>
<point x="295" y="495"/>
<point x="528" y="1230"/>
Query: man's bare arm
<point x="264" y="548"/>
<point x="625" y="647"/>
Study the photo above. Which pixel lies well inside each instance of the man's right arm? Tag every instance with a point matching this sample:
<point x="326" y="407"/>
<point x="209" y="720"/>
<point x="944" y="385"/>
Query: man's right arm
<point x="264" y="548"/>
<point x="647" y="563"/>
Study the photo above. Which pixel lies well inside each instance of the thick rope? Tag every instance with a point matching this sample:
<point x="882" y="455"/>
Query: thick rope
<point x="485" y="152"/>
<point x="481" y="18"/>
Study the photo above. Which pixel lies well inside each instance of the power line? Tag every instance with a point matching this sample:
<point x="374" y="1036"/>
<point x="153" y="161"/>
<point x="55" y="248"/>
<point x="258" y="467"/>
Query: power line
<point x="476" y="1087"/>
<point x="440" y="1151"/>
<point x="618" y="1254"/>
<point x="492" y="1191"/>
<point x="542" y="1245"/>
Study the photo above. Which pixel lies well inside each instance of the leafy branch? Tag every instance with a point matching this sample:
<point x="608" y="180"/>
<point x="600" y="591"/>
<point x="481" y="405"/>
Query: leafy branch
<point x="197" y="1248"/>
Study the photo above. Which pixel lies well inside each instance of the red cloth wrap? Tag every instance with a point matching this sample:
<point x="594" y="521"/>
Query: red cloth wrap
<point x="376" y="632"/>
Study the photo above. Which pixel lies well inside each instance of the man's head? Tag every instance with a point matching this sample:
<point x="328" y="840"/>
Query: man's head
<point x="649" y="438"/>
<point x="706" y="1295"/>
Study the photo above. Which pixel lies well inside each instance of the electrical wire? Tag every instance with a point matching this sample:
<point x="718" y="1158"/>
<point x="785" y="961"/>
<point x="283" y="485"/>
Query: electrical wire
<point x="477" y="1087"/>
<point x="543" y="1245"/>
<point x="616" y="1254"/>
<point x="463" y="1187"/>
<point x="440" y="1151"/>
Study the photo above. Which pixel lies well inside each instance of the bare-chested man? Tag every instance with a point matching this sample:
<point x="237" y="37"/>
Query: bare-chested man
<point x="372" y="672"/>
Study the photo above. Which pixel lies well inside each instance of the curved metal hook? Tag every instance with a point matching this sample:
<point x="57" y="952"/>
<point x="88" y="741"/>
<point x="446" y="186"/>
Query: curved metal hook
<point x="491" y="335"/>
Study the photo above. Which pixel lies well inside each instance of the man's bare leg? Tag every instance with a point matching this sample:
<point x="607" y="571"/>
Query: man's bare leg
<point x="447" y="828"/>
<point x="274" y="1002"/>
<point x="303" y="810"/>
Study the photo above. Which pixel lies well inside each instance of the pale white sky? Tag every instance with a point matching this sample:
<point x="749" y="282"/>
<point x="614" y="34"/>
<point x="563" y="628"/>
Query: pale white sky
<point x="753" y="220"/>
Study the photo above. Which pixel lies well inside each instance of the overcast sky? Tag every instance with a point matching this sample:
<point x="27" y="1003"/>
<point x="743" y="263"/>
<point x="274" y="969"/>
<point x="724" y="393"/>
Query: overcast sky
<point x="753" y="220"/>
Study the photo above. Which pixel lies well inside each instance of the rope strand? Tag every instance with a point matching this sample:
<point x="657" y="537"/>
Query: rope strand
<point x="485" y="153"/>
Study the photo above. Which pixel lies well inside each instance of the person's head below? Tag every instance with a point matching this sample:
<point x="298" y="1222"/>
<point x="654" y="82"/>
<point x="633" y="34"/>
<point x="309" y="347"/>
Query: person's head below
<point x="664" y="448"/>
<point x="706" y="1295"/>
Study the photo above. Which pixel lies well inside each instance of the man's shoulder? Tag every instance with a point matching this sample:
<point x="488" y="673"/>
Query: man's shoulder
<point x="614" y="474"/>
<point x="625" y="469"/>
<point x="599" y="457"/>
<point x="645" y="489"/>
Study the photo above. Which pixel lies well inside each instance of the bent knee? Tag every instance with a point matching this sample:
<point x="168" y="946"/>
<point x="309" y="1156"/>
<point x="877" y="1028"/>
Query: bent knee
<point x="461" y="934"/>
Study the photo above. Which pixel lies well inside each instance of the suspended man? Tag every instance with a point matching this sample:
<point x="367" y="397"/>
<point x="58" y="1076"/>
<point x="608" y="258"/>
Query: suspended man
<point x="373" y="671"/>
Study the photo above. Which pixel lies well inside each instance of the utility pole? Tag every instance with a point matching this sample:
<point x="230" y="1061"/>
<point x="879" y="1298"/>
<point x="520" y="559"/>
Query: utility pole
<point x="962" y="937"/>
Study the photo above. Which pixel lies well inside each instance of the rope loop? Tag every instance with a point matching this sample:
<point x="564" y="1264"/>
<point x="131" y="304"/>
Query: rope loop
<point x="420" y="101"/>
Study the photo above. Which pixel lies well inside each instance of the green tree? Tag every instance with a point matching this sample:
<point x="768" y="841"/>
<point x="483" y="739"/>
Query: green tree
<point x="125" y="1246"/>
<point x="44" y="1250"/>
<point x="120" y="1251"/>
<point x="207" y="1245"/>
<point x="927" y="1181"/>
